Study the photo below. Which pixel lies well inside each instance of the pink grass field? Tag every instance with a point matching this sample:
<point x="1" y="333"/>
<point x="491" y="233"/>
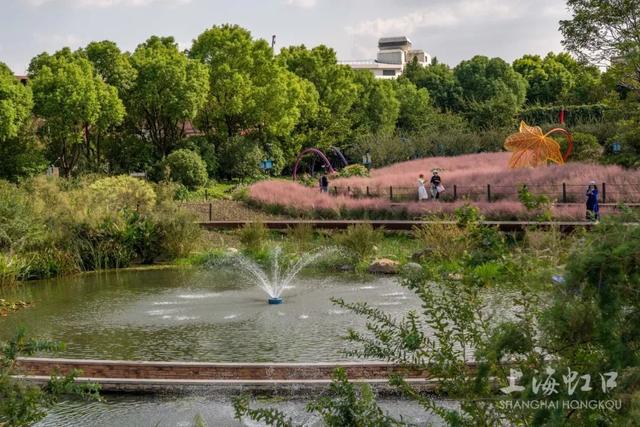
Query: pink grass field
<point x="468" y="172"/>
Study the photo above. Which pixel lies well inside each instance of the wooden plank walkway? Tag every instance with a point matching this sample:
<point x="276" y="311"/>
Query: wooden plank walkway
<point x="396" y="225"/>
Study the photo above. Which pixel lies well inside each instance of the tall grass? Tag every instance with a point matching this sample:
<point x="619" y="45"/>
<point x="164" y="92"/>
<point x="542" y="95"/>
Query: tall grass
<point x="469" y="172"/>
<point x="50" y="227"/>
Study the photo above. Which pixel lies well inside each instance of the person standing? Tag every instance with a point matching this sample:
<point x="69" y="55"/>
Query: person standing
<point x="324" y="183"/>
<point x="436" y="185"/>
<point x="593" y="209"/>
<point x="422" y="190"/>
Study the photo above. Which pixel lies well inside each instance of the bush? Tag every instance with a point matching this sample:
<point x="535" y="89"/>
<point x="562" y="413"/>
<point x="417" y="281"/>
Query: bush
<point x="253" y="236"/>
<point x="186" y="167"/>
<point x="353" y="170"/>
<point x="240" y="158"/>
<point x="585" y="148"/>
<point x="359" y="240"/>
<point x="122" y="193"/>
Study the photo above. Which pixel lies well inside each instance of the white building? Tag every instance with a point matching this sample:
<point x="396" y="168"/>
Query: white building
<point x="393" y="55"/>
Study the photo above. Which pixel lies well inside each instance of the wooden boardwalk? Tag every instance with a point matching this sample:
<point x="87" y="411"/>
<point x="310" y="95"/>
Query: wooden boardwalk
<point x="397" y="225"/>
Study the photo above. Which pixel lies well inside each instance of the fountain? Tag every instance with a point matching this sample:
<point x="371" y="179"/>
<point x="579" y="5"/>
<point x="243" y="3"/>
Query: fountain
<point x="280" y="277"/>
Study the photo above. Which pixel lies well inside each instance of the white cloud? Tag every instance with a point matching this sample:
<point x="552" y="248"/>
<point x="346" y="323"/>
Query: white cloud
<point x="436" y="17"/>
<point x="109" y="3"/>
<point x="305" y="4"/>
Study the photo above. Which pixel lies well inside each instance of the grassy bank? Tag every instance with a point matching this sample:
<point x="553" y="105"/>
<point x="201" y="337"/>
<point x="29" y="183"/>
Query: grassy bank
<point x="51" y="227"/>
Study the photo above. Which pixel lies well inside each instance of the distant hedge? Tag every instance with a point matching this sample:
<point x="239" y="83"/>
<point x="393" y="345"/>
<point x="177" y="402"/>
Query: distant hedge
<point x="573" y="114"/>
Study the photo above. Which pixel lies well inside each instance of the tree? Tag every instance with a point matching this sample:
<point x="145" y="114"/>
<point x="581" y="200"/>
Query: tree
<point x="72" y="101"/>
<point x="170" y="89"/>
<point x="251" y="94"/>
<point x="603" y="32"/>
<point x="549" y="80"/>
<point x="415" y="106"/>
<point x="336" y="93"/>
<point x="376" y="108"/>
<point x="112" y="65"/>
<point x="493" y="92"/>
<point x="19" y="150"/>
<point x="440" y="81"/>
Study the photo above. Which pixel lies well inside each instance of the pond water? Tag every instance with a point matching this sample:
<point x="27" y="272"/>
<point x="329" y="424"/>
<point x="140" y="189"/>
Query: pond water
<point x="215" y="410"/>
<point x="198" y="315"/>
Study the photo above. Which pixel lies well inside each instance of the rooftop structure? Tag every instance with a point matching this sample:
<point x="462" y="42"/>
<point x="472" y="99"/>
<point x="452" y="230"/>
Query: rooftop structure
<point x="394" y="53"/>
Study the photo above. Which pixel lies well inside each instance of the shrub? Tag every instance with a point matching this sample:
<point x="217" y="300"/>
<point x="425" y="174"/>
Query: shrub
<point x="302" y="236"/>
<point x="585" y="148"/>
<point x="186" y="167"/>
<point x="442" y="241"/>
<point x="122" y="193"/>
<point x="359" y="240"/>
<point x="353" y="170"/>
<point x="253" y="236"/>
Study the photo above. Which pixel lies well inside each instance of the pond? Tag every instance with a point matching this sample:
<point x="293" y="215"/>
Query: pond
<point x="198" y="315"/>
<point x="214" y="409"/>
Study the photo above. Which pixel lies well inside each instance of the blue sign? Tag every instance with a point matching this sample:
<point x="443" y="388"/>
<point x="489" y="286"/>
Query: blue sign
<point x="616" y="147"/>
<point x="266" y="165"/>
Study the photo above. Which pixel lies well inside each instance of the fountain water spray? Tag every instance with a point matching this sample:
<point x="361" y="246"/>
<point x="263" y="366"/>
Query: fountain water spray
<point x="280" y="278"/>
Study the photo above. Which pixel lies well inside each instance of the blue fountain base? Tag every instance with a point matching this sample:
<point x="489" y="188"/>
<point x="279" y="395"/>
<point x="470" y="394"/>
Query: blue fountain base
<point x="276" y="300"/>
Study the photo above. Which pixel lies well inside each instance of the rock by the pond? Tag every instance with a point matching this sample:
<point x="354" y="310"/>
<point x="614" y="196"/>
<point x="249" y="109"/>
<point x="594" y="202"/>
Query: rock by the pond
<point x="346" y="267"/>
<point x="232" y="250"/>
<point x="384" y="266"/>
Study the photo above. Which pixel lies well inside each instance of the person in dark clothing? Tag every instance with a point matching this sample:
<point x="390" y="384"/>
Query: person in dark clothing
<point x="324" y="184"/>
<point x="436" y="185"/>
<point x="593" y="210"/>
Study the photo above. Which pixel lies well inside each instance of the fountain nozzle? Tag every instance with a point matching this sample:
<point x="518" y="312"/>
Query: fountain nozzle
<point x="275" y="300"/>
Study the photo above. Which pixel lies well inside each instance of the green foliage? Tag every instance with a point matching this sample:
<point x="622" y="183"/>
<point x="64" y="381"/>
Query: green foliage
<point x="251" y="95"/>
<point x="16" y="102"/>
<point x="415" y="106"/>
<point x="169" y="90"/>
<point x="122" y="192"/>
<point x="74" y="102"/>
<point x="377" y="108"/>
<point x="23" y="404"/>
<point x="440" y="82"/>
<point x="240" y="158"/>
<point x="186" y="167"/>
<point x="574" y="114"/>
<point x="302" y="237"/>
<point x="253" y="237"/>
<point x="326" y="120"/>
<point x="112" y="65"/>
<point x="535" y="202"/>
<point x="359" y="240"/>
<point x="493" y="92"/>
<point x="353" y="170"/>
<point x="585" y="148"/>
<point x="50" y="227"/>
<point x="347" y="405"/>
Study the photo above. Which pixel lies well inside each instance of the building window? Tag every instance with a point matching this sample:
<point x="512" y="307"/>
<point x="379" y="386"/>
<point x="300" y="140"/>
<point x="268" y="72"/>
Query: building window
<point x="388" y="72"/>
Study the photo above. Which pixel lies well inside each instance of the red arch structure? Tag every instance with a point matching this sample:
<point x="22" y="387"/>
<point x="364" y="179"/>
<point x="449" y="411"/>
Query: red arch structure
<point x="320" y="154"/>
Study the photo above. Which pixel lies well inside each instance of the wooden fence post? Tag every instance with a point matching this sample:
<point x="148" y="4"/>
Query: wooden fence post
<point x="564" y="192"/>
<point x="489" y="193"/>
<point x="604" y="192"/>
<point x="455" y="192"/>
<point x="210" y="212"/>
<point x="368" y="195"/>
<point x="390" y="192"/>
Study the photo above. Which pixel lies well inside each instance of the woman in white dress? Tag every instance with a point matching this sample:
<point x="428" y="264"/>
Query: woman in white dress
<point x="422" y="190"/>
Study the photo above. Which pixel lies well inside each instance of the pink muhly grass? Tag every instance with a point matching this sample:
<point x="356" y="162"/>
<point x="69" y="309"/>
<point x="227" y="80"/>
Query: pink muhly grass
<point x="471" y="173"/>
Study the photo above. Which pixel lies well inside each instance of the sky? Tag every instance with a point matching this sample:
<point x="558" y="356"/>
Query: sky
<point x="451" y="30"/>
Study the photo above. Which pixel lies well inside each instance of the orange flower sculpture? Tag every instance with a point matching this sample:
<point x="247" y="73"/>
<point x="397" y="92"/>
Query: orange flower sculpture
<point x="532" y="148"/>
